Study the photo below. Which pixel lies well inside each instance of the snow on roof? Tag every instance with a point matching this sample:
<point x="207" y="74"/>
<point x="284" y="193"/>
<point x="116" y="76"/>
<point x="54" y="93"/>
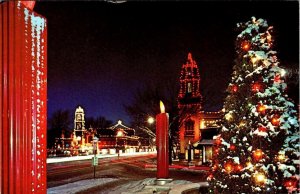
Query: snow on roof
<point x="119" y="124"/>
<point x="204" y="142"/>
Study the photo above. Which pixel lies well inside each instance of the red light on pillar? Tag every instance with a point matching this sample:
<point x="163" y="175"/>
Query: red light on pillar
<point x="23" y="98"/>
<point x="28" y="4"/>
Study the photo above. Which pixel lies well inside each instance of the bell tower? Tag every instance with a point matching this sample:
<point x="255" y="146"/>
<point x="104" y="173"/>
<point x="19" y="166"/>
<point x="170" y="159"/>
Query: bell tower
<point x="189" y="104"/>
<point x="79" y="128"/>
<point x="189" y="93"/>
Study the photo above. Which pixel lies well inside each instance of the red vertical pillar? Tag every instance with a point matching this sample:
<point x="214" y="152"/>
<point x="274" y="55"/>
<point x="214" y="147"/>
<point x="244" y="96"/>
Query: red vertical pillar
<point x="162" y="139"/>
<point x="23" y="94"/>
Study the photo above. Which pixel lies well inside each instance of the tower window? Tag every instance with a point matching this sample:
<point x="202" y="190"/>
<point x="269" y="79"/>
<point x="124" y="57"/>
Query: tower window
<point x="189" y="128"/>
<point x="189" y="88"/>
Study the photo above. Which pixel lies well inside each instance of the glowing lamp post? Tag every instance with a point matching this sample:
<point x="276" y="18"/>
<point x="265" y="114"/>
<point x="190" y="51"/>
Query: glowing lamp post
<point x="162" y="126"/>
<point x="150" y="120"/>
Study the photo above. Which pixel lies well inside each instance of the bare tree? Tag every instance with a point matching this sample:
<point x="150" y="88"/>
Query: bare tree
<point x="98" y="123"/>
<point x="146" y="103"/>
<point x="59" y="123"/>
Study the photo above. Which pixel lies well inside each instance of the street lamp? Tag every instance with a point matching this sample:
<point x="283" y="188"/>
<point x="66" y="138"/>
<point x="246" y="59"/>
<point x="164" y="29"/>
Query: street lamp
<point x="150" y="120"/>
<point x="119" y="134"/>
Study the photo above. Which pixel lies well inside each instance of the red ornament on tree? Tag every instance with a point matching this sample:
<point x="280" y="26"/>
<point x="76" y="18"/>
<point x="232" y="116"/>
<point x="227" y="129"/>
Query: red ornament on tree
<point x="232" y="147"/>
<point x="277" y="79"/>
<point x="218" y="141"/>
<point x="215" y="167"/>
<point x="228" y="167"/>
<point x="217" y="150"/>
<point x="210" y="176"/>
<point x="256" y="87"/>
<point x="291" y="182"/>
<point x="275" y="120"/>
<point x="234" y="88"/>
<point x="262" y="129"/>
<point x="261" y="108"/>
<point x="258" y="154"/>
<point x="238" y="167"/>
<point x="245" y="45"/>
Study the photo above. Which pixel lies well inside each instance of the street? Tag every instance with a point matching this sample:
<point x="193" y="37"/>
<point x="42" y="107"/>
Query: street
<point x="124" y="169"/>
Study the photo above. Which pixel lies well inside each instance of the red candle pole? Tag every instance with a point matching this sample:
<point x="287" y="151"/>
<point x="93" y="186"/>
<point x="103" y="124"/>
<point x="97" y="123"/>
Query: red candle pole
<point x="162" y="140"/>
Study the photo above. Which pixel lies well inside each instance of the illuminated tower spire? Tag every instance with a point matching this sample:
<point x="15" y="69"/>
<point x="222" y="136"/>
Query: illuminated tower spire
<point x="189" y="93"/>
<point x="189" y="104"/>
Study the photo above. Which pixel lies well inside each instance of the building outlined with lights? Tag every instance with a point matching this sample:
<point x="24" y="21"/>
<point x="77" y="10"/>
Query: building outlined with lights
<point x="198" y="126"/>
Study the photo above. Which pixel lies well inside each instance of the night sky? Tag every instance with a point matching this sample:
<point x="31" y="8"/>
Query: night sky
<point x="99" y="53"/>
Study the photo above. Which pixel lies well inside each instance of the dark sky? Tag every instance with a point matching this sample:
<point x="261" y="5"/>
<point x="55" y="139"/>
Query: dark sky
<point x="99" y="53"/>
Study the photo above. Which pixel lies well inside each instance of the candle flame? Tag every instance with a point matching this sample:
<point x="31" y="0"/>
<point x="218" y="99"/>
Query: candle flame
<point x="162" y="107"/>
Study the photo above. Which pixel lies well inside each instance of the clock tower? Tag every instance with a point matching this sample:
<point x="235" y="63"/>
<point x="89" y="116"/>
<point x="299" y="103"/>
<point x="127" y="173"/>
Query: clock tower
<point x="79" y="122"/>
<point x="189" y="104"/>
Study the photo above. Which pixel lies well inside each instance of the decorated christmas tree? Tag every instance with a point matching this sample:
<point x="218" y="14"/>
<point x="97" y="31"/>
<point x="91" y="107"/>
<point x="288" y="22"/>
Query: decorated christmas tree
<point x="257" y="150"/>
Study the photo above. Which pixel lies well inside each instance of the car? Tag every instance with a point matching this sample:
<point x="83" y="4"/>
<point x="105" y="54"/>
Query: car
<point x="83" y="153"/>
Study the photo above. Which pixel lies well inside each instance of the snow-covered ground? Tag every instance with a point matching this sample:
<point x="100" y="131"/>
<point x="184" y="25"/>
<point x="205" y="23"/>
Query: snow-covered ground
<point x="79" y="186"/>
<point x="74" y="158"/>
<point x="146" y="186"/>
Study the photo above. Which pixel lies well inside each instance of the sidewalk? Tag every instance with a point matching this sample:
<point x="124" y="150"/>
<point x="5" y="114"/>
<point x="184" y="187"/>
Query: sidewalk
<point x="179" y="165"/>
<point x="145" y="186"/>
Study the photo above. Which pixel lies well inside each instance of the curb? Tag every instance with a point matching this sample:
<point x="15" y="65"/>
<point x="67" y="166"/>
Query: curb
<point x="192" y="186"/>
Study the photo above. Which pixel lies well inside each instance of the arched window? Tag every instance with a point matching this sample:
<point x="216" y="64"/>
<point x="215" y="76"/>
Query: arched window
<point x="189" y="88"/>
<point x="189" y="128"/>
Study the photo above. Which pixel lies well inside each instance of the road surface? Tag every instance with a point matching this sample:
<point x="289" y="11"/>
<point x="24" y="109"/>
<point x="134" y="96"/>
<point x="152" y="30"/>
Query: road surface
<point x="125" y="169"/>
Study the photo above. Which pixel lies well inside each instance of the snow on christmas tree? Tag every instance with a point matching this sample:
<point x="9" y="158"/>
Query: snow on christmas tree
<point x="257" y="150"/>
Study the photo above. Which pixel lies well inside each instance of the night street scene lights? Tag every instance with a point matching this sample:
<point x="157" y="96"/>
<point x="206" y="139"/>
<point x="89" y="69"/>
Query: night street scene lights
<point x="150" y="120"/>
<point x="119" y="134"/>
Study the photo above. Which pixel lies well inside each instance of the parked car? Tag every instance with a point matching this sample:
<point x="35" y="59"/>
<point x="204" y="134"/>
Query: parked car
<point x="50" y="153"/>
<point x="83" y="153"/>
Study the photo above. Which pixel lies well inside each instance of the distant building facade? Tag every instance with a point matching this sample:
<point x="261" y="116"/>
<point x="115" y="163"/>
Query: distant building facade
<point x="195" y="121"/>
<point x="114" y="139"/>
<point x="121" y="139"/>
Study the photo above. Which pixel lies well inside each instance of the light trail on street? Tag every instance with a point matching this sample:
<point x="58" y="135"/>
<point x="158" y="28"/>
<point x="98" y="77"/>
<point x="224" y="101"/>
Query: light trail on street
<point x="84" y="168"/>
<point x="124" y="169"/>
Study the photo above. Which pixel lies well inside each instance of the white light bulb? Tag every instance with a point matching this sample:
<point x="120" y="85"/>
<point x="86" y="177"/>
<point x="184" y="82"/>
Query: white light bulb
<point x="282" y="72"/>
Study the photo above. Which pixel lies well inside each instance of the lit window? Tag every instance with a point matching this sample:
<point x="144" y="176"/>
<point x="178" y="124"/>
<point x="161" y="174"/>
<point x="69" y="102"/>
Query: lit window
<point x="189" y="89"/>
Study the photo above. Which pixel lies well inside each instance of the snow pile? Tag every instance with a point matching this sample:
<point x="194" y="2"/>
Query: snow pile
<point x="79" y="185"/>
<point x="142" y="186"/>
<point x="148" y="186"/>
<point x="134" y="186"/>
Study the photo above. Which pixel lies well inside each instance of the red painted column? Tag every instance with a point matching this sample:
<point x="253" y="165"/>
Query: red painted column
<point x="162" y="140"/>
<point x="23" y="94"/>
